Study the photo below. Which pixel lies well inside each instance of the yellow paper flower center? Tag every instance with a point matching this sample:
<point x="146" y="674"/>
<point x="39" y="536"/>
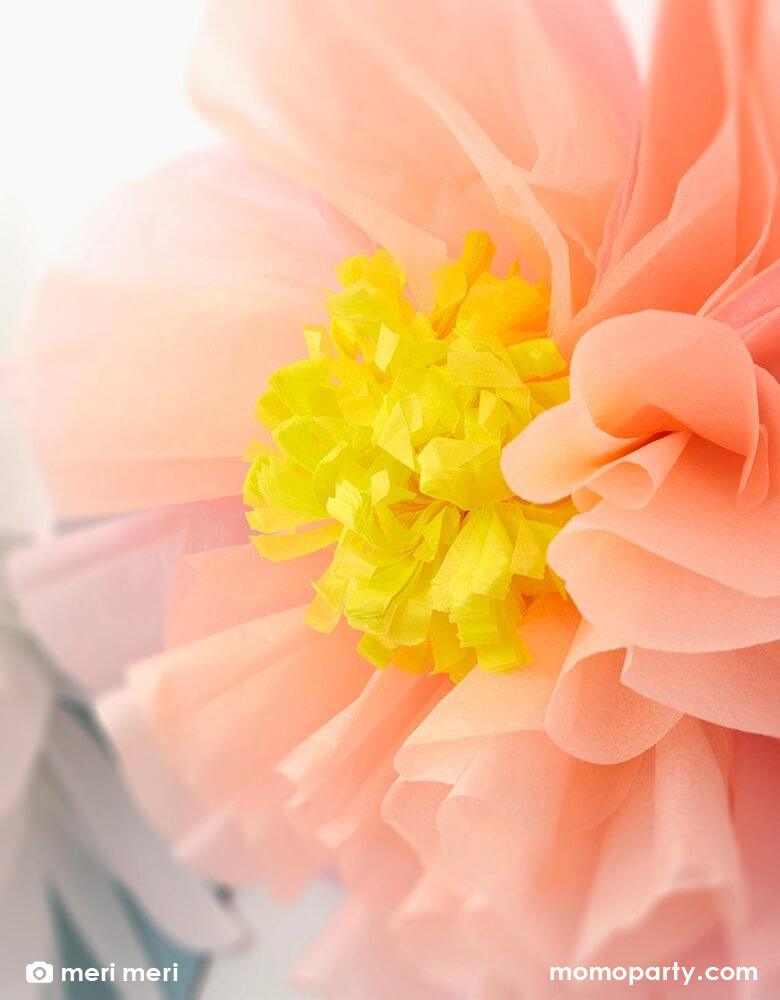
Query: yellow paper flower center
<point x="388" y="446"/>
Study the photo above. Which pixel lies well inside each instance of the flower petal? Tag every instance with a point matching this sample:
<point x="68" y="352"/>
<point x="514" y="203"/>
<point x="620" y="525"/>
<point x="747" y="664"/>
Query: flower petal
<point x="485" y="704"/>
<point x="149" y="345"/>
<point x="669" y="861"/>
<point x="219" y="588"/>
<point x="194" y="714"/>
<point x="593" y="715"/>
<point x="638" y="598"/>
<point x="532" y="136"/>
<point x="696" y="215"/>
<point x="694" y="521"/>
<point x="736" y="688"/>
<point x="96" y="598"/>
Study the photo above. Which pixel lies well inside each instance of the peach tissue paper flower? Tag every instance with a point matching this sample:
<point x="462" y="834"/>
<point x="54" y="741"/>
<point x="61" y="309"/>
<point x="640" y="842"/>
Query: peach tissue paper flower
<point x="419" y="454"/>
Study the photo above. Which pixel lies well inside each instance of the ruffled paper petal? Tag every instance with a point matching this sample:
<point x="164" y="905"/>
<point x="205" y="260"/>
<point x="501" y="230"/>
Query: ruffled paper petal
<point x="669" y="866"/>
<point x="357" y="957"/>
<point x="342" y="758"/>
<point x="462" y="944"/>
<point x="730" y="545"/>
<point x="560" y="454"/>
<point x="540" y="788"/>
<point x="632" y="378"/>
<point x="113" y="580"/>
<point x="593" y="715"/>
<point x="217" y="589"/>
<point x="697" y="216"/>
<point x="341" y="776"/>
<point x="491" y="704"/>
<point x="668" y="371"/>
<point x="605" y="897"/>
<point x="756" y="805"/>
<point x="632" y="480"/>
<point x="184" y="295"/>
<point x="658" y="604"/>
<point x="366" y="91"/>
<point x="737" y="688"/>
<point x="754" y="310"/>
<point x="194" y="715"/>
<point x="650" y="447"/>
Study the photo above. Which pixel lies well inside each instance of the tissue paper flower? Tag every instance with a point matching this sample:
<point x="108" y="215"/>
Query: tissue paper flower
<point x="79" y="866"/>
<point x="76" y="855"/>
<point x="507" y="657"/>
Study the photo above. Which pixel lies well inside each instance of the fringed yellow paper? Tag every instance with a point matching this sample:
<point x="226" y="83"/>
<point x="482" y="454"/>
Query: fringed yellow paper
<point x="389" y="441"/>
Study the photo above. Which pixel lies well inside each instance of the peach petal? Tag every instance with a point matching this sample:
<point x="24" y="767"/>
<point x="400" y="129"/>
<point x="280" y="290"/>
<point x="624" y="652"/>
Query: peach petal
<point x="377" y="865"/>
<point x="633" y="480"/>
<point x="657" y="604"/>
<point x="567" y="454"/>
<point x="668" y="371"/>
<point x="211" y="843"/>
<point x="754" y="310"/>
<point x="767" y="35"/>
<point x="698" y="215"/>
<point x="368" y="74"/>
<point x="540" y="788"/>
<point x="559" y="452"/>
<point x="412" y="808"/>
<point x="669" y="862"/>
<point x="769" y="411"/>
<point x="675" y="116"/>
<point x="435" y="927"/>
<point x="700" y="227"/>
<point x="341" y="773"/>
<point x="731" y="545"/>
<point x="594" y="42"/>
<point x="357" y="957"/>
<point x="737" y="688"/>
<point x="217" y="589"/>
<point x="527" y="890"/>
<point x="211" y="695"/>
<point x="533" y="888"/>
<point x="593" y="715"/>
<point x="193" y="714"/>
<point x="756" y="815"/>
<point x="190" y="272"/>
<point x="484" y="704"/>
<point x="390" y="696"/>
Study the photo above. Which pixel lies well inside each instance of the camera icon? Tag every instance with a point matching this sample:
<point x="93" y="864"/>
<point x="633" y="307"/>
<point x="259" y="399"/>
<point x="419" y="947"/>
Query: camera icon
<point x="40" y="972"/>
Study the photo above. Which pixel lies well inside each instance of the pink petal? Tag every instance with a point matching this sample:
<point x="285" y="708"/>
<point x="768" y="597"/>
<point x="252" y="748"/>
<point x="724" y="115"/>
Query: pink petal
<point x="696" y="218"/>
<point x="754" y="310"/>
<point x="756" y="804"/>
<point x="529" y="141"/>
<point x="694" y="521"/>
<point x="217" y="589"/>
<point x="737" y="688"/>
<point x="638" y="598"/>
<point x="149" y="345"/>
<point x="669" y="863"/>
<point x="96" y="597"/>
<point x="668" y="371"/>
<point x="593" y="715"/>
<point x="484" y="704"/>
